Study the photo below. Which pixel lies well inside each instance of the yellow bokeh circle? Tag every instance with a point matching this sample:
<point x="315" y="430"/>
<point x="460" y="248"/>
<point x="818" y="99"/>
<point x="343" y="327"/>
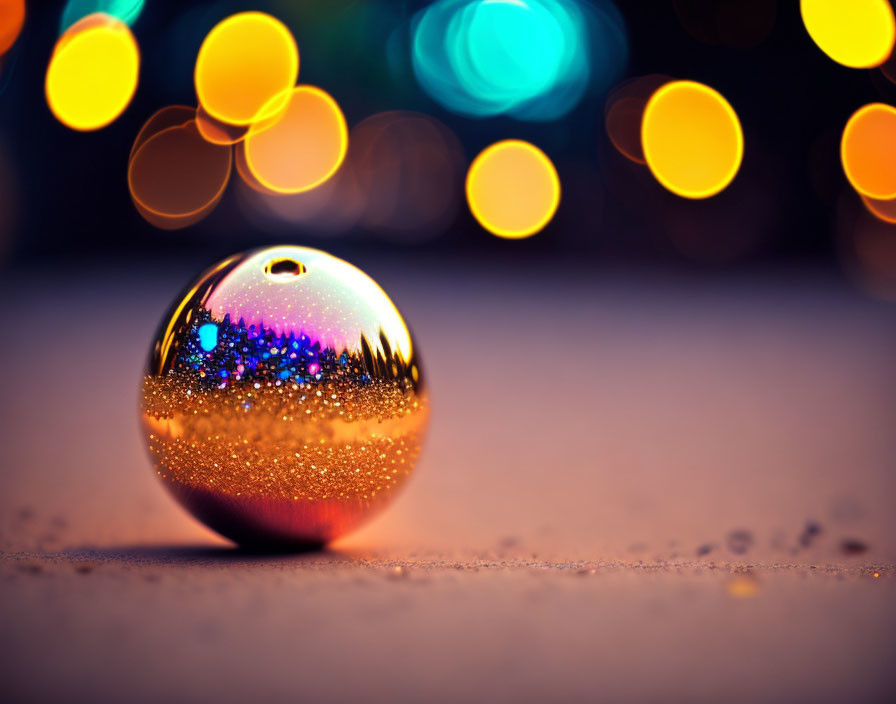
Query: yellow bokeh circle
<point x="692" y="139"/>
<point x="868" y="151"/>
<point x="244" y="61"/>
<point x="513" y="189"/>
<point x="855" y="33"/>
<point x="93" y="73"/>
<point x="302" y="146"/>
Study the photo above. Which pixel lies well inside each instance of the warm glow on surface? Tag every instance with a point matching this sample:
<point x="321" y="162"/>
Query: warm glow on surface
<point x="12" y="17"/>
<point x="93" y="73"/>
<point x="513" y="189"/>
<point x="692" y="139"/>
<point x="245" y="60"/>
<point x="855" y="33"/>
<point x="302" y="147"/>
<point x="742" y="586"/>
<point x="868" y="151"/>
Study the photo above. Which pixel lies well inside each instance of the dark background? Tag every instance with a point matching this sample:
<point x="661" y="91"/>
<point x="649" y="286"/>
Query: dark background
<point x="64" y="193"/>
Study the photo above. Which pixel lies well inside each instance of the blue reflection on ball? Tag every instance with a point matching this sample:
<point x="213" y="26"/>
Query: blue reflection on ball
<point x="531" y="59"/>
<point x="208" y="336"/>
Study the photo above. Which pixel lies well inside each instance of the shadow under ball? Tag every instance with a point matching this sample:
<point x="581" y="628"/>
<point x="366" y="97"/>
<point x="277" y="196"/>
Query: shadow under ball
<point x="283" y="402"/>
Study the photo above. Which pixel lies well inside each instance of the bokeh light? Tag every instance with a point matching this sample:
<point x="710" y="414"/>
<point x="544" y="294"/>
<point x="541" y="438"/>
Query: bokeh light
<point x="531" y="59"/>
<point x="302" y="146"/>
<point x="175" y="176"/>
<point x="12" y="18"/>
<point x="402" y="180"/>
<point x="330" y="209"/>
<point x="93" y="73"/>
<point x="218" y="132"/>
<point x="888" y="68"/>
<point x="855" y="33"/>
<point x="245" y="173"/>
<point x="692" y="139"/>
<point x="868" y="151"/>
<point x="410" y="169"/>
<point x="623" y="124"/>
<point x="624" y="111"/>
<point x="244" y="62"/>
<point x="881" y="209"/>
<point x="513" y="189"/>
<point x="703" y="231"/>
<point x="125" y="10"/>
<point x="169" y="116"/>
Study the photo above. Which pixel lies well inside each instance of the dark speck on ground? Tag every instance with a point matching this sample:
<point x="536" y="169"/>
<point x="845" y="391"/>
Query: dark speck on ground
<point x="739" y="541"/>
<point x="851" y="546"/>
<point x="810" y="532"/>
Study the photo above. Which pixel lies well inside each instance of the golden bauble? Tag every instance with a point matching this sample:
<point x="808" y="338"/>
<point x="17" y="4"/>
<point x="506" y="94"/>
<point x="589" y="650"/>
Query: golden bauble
<point x="283" y="403"/>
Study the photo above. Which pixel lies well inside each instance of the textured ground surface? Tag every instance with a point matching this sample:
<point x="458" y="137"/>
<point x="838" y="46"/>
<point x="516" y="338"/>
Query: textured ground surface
<point x="635" y="489"/>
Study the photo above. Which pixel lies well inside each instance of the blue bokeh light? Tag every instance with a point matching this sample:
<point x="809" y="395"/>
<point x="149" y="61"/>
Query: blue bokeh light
<point x="531" y="59"/>
<point x="125" y="10"/>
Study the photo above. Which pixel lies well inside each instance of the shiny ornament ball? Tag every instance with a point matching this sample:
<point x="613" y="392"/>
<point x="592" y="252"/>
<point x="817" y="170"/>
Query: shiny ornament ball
<point x="283" y="403"/>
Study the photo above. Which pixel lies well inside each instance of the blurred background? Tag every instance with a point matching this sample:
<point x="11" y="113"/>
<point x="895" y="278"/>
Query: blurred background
<point x="64" y="193"/>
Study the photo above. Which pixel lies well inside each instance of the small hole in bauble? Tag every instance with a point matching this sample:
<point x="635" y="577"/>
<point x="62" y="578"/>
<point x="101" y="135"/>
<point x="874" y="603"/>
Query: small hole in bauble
<point x="282" y="270"/>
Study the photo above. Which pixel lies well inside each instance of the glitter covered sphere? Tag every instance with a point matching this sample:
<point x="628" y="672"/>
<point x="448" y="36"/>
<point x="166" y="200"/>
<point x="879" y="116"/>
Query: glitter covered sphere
<point x="283" y="404"/>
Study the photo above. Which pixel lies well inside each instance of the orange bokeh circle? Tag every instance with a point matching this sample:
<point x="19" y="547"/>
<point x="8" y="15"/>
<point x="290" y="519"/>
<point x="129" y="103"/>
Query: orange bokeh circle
<point x="302" y="146"/>
<point x="12" y="19"/>
<point x="868" y="151"/>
